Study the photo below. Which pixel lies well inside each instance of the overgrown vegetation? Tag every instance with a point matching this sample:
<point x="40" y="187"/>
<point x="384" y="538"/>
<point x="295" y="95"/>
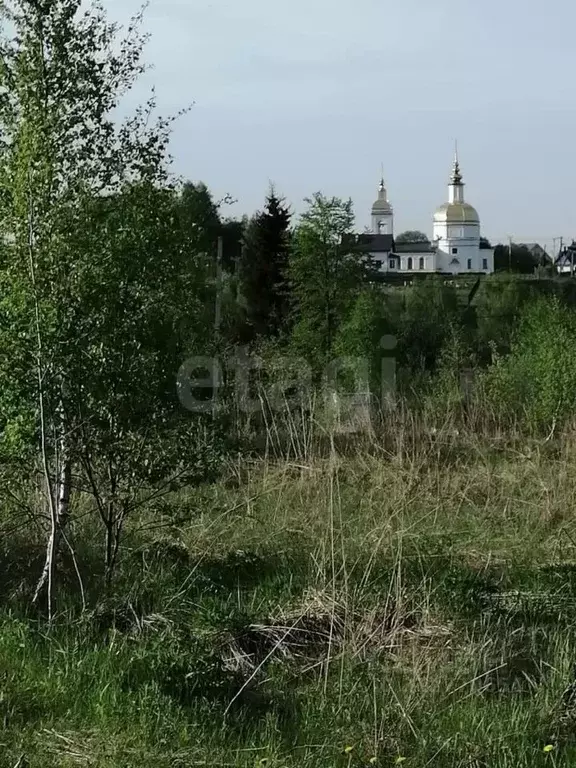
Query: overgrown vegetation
<point x="352" y="546"/>
<point x="416" y="603"/>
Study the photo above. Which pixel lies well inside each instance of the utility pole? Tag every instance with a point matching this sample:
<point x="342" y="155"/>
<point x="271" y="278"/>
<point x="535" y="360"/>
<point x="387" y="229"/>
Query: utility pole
<point x="217" y="324"/>
<point x="509" y="254"/>
<point x="218" y="308"/>
<point x="239" y="261"/>
<point x="554" y="254"/>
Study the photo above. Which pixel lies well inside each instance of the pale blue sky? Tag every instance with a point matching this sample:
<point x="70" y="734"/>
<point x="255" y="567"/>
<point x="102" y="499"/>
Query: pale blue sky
<point x="315" y="94"/>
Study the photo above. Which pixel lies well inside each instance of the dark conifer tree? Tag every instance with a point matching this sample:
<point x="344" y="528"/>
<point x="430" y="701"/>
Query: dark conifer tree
<point x="263" y="267"/>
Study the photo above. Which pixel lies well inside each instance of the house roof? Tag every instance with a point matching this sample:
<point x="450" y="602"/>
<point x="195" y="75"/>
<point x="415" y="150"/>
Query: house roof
<point x="536" y="250"/>
<point x="414" y="247"/>
<point x="369" y="243"/>
<point x="565" y="258"/>
<point x="374" y="243"/>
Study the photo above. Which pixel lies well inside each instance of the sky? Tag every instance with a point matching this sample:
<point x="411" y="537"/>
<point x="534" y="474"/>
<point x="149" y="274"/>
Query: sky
<point x="314" y="95"/>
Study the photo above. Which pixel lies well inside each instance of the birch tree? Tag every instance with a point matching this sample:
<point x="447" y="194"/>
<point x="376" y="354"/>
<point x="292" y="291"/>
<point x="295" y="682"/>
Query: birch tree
<point x="96" y="282"/>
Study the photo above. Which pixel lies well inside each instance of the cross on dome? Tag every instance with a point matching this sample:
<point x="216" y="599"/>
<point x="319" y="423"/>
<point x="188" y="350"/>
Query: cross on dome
<point x="456" y="177"/>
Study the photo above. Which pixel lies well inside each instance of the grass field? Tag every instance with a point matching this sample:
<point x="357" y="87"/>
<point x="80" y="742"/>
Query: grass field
<point x="413" y="607"/>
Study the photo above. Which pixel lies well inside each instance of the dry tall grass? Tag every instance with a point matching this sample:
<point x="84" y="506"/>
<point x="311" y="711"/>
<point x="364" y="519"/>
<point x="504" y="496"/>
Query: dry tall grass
<point x="404" y="594"/>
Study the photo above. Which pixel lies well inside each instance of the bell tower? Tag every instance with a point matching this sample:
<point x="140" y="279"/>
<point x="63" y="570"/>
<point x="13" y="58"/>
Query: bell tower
<point x="382" y="212"/>
<point x="456" y="186"/>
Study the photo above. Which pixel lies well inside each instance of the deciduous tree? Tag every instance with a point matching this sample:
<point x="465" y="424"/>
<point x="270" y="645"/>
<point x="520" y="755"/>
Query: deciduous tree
<point x="97" y="279"/>
<point x="412" y="236"/>
<point x="325" y="273"/>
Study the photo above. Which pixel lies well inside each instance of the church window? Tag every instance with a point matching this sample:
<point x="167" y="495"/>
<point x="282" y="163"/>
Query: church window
<point x="392" y="263"/>
<point x="469" y="263"/>
<point x="454" y="250"/>
<point x="410" y="262"/>
<point x="382" y="228"/>
<point x="484" y="263"/>
<point x="421" y="262"/>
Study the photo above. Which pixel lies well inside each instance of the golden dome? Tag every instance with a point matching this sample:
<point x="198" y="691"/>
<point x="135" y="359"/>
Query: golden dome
<point x="457" y="213"/>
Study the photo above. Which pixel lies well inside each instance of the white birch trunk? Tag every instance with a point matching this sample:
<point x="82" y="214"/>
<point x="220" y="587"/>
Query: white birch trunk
<point x="59" y="515"/>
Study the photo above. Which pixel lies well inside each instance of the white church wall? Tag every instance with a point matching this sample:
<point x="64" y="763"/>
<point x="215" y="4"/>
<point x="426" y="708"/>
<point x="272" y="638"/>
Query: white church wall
<point x="471" y="259"/>
<point x="451" y="231"/>
<point x="486" y="260"/>
<point x="387" y="262"/>
<point x="395" y="262"/>
<point x="383" y="224"/>
<point x="469" y="256"/>
<point x="456" y="256"/>
<point x="418" y="262"/>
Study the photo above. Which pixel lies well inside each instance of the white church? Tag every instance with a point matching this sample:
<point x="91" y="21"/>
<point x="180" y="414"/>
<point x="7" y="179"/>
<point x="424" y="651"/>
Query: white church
<point x="455" y="247"/>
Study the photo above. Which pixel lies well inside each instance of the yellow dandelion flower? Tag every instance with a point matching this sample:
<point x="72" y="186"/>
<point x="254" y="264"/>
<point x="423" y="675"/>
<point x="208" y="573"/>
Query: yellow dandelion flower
<point x="548" y="748"/>
<point x="373" y="760"/>
<point x="348" y="748"/>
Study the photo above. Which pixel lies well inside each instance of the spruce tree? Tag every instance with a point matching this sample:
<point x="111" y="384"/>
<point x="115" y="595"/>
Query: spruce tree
<point x="264" y="264"/>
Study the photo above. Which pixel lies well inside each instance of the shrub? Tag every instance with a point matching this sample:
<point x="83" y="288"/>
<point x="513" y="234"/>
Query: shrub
<point x="537" y="380"/>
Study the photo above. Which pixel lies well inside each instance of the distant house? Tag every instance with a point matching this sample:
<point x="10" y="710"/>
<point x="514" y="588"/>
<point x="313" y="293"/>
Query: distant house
<point x="566" y="261"/>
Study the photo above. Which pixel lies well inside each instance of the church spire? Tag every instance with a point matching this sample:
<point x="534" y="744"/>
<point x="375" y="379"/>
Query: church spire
<point x="456" y="186"/>
<point x="456" y="177"/>
<point x="382" y="193"/>
<point x="382" y="213"/>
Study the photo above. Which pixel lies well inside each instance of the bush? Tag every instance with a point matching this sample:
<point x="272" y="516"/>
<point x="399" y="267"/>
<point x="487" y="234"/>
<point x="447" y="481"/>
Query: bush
<point x="536" y="382"/>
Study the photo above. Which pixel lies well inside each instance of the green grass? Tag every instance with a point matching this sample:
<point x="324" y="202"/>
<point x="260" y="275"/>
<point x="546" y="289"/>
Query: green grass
<point x="417" y="605"/>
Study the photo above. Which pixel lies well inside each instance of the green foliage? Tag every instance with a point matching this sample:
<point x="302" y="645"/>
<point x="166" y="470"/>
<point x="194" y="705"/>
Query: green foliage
<point x="536" y="382"/>
<point x="360" y="334"/>
<point x="412" y="236"/>
<point x="519" y="260"/>
<point x="232" y="232"/>
<point x="497" y="308"/>
<point x="445" y="397"/>
<point x="264" y="268"/>
<point x="101" y="274"/>
<point x="199" y="215"/>
<point x="325" y="275"/>
<point x="430" y="309"/>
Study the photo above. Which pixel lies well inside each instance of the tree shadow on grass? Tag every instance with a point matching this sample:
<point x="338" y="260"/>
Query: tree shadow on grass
<point x="194" y="673"/>
<point x="234" y="570"/>
<point x="523" y="595"/>
<point x="78" y="577"/>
